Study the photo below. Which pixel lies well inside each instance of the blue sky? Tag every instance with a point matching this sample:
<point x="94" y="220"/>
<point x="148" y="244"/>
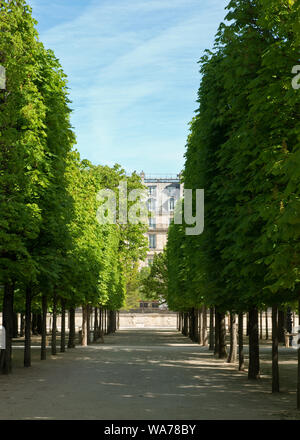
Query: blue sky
<point x="133" y="73"/>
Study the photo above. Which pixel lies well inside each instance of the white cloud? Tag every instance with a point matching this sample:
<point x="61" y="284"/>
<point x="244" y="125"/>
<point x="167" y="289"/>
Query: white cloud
<point x="133" y="65"/>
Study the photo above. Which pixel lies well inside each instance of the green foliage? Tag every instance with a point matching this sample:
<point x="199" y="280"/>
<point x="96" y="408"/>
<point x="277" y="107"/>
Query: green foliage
<point x="134" y="286"/>
<point x="243" y="149"/>
<point x="155" y="283"/>
<point x="22" y="141"/>
<point x="101" y="254"/>
<point x="50" y="238"/>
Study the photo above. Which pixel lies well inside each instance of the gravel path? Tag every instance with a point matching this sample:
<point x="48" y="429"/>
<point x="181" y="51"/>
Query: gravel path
<point x="141" y="374"/>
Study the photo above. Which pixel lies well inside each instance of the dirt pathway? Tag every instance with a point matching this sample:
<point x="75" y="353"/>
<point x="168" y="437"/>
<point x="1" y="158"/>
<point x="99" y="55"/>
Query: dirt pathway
<point x="138" y="374"/>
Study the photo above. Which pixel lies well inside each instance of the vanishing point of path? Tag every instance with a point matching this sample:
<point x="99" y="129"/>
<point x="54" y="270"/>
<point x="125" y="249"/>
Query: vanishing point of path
<point x="137" y="374"/>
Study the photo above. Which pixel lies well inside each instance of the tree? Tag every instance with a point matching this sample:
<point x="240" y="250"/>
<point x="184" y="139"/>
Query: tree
<point x="244" y="152"/>
<point x="155" y="285"/>
<point x="22" y="153"/>
<point x="135" y="279"/>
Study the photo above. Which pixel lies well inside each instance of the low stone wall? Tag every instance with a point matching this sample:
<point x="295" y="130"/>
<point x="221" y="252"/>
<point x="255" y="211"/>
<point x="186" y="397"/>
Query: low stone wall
<point x="147" y="320"/>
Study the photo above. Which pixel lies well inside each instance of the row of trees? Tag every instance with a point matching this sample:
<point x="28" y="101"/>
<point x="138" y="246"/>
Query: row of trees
<point x="243" y="149"/>
<point x="54" y="254"/>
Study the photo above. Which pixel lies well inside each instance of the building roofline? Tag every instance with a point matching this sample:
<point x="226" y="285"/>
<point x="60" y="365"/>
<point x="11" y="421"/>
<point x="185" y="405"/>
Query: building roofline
<point x="160" y="178"/>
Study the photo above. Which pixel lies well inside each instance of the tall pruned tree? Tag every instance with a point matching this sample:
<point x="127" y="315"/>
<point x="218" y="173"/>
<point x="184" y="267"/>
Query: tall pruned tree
<point x="22" y="154"/>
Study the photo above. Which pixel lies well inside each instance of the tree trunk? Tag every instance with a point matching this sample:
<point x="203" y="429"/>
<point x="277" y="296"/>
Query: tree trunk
<point x="241" y="342"/>
<point x="247" y="320"/>
<point x="71" y="341"/>
<point x="101" y="321"/>
<point x="222" y="337"/>
<point x="204" y="326"/>
<point x="54" y="319"/>
<point x="281" y="326"/>
<point x="253" y="371"/>
<point x="84" y="326"/>
<point x="185" y="324"/>
<point x="194" y="324"/>
<point x="115" y="321"/>
<point x="28" y="326"/>
<point x="44" y="329"/>
<point x="33" y="324"/>
<point x="105" y="321"/>
<point x="7" y="318"/>
<point x="217" y="333"/>
<point x="39" y="323"/>
<point x="108" y="322"/>
<point x="112" y="321"/>
<point x="211" y="329"/>
<point x="88" y="324"/>
<point x="196" y="328"/>
<point x="298" y="342"/>
<point x="289" y="323"/>
<point x="267" y="324"/>
<point x="22" y="325"/>
<point x="233" y="339"/>
<point x="96" y="325"/>
<point x="191" y="326"/>
<point x="275" y="367"/>
<point x="63" y="326"/>
<point x="200" y="326"/>
<point x="260" y="324"/>
<point x="15" y="325"/>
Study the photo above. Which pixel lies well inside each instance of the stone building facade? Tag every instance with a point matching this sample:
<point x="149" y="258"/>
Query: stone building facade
<point x="163" y="193"/>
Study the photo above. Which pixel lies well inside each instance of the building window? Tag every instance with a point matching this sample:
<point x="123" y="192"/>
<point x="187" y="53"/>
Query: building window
<point x="151" y="204"/>
<point x="143" y="305"/>
<point x="152" y="241"/>
<point x="152" y="223"/>
<point x="171" y="204"/>
<point x="152" y="191"/>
